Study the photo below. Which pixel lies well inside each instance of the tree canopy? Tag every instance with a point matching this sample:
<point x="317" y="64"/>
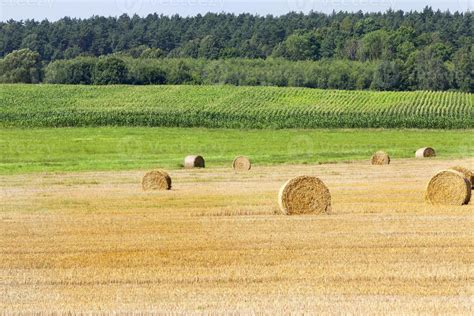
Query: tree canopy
<point x="388" y="35"/>
<point x="413" y="50"/>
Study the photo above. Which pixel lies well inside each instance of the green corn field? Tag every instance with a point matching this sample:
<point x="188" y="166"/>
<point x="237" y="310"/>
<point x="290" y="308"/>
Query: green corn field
<point x="230" y="107"/>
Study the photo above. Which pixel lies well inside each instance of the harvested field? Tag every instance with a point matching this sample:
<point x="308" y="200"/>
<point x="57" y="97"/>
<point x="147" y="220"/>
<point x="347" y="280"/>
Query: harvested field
<point x="94" y="241"/>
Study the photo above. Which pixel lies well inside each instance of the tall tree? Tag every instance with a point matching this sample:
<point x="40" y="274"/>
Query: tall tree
<point x="21" y="66"/>
<point x="464" y="69"/>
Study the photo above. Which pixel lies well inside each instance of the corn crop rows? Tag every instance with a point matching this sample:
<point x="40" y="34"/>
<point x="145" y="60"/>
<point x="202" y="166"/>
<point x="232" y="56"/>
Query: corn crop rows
<point x="230" y="107"/>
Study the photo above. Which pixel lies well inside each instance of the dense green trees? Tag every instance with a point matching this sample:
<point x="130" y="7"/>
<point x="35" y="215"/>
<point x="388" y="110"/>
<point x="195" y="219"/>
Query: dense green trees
<point x="430" y="50"/>
<point x="337" y="74"/>
<point x="20" y="66"/>
<point x="299" y="47"/>
<point x="388" y="76"/>
<point x="374" y="45"/>
<point x="110" y="70"/>
<point x="464" y="69"/>
<point x="430" y="71"/>
<point x="227" y="35"/>
<point x="89" y="70"/>
<point x="142" y="72"/>
<point x="422" y="71"/>
<point x="74" y="71"/>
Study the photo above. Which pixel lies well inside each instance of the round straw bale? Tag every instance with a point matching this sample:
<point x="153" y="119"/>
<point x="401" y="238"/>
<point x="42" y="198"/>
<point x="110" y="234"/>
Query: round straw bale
<point x="468" y="174"/>
<point x="380" y="158"/>
<point x="448" y="187"/>
<point x="304" y="195"/>
<point x="156" y="180"/>
<point x="425" y="152"/>
<point x="241" y="163"/>
<point x="194" y="162"/>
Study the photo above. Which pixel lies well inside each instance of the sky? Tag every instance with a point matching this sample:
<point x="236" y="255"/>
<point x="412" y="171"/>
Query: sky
<point x="56" y="9"/>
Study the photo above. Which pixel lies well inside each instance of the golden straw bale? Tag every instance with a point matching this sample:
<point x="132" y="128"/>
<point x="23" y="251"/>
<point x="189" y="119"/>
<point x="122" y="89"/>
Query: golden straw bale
<point x="448" y="187"/>
<point x="241" y="163"/>
<point x="156" y="180"/>
<point x="194" y="162"/>
<point x="469" y="174"/>
<point x="380" y="158"/>
<point x="304" y="195"/>
<point x="425" y="152"/>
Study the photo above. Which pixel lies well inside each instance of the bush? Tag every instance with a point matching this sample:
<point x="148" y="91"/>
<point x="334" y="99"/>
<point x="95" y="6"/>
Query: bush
<point x="388" y="76"/>
<point x="110" y="70"/>
<point x="21" y="66"/>
<point x="332" y="74"/>
<point x="74" y="71"/>
<point x="144" y="72"/>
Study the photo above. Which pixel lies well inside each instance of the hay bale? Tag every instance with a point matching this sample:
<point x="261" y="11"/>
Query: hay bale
<point x="156" y="180"/>
<point x="448" y="187"/>
<point x="468" y="174"/>
<point x="425" y="152"/>
<point x="380" y="158"/>
<point x="194" y="162"/>
<point x="304" y="195"/>
<point x="241" y="163"/>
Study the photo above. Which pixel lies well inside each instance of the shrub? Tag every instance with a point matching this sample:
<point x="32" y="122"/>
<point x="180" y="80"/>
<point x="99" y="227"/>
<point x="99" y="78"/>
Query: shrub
<point x="21" y="66"/>
<point x="110" y="70"/>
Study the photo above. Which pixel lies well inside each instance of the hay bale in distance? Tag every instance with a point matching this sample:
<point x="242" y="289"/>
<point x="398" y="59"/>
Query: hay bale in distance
<point x="194" y="162"/>
<point x="380" y="158"/>
<point x="304" y="195"/>
<point x="156" y="180"/>
<point x="241" y="163"/>
<point x="425" y="152"/>
<point x="448" y="187"/>
<point x="468" y="174"/>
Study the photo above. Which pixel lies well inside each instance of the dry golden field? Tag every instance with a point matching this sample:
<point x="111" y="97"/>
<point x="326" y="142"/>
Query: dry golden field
<point x="95" y="242"/>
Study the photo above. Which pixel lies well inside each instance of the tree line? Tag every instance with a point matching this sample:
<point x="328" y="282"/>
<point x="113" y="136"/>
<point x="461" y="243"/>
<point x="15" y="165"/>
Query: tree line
<point x="420" y="73"/>
<point x="430" y="50"/>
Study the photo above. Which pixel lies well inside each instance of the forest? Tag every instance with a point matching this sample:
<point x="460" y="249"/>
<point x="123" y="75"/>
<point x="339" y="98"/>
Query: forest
<point x="395" y="50"/>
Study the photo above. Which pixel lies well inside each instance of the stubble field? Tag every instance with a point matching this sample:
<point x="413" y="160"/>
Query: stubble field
<point x="94" y="241"/>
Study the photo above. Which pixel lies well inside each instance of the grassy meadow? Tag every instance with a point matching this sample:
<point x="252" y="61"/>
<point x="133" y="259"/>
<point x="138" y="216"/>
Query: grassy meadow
<point x="123" y="148"/>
